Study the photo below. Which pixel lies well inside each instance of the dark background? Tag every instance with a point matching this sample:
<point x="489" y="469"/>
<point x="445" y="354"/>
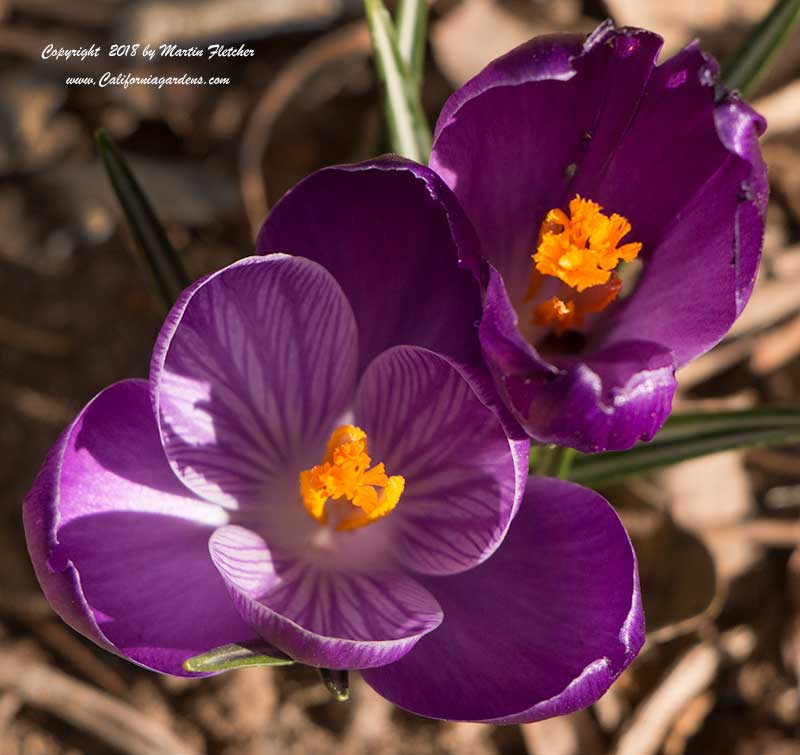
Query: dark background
<point x="717" y="538"/>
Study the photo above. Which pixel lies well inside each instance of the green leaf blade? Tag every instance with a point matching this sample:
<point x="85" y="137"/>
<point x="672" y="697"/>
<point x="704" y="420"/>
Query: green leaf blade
<point x="160" y="258"/>
<point x="689" y="436"/>
<point x="233" y="656"/>
<point x="751" y="61"/>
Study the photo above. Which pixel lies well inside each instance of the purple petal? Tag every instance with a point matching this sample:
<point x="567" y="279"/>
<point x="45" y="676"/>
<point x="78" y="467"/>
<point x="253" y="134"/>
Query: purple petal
<point x="392" y="234"/>
<point x="508" y="141"/>
<point x="739" y="127"/>
<point x="319" y="615"/>
<point x="541" y="629"/>
<point x="120" y="547"/>
<point x="463" y="478"/>
<point x="252" y="368"/>
<point x="554" y="118"/>
<point x="608" y="398"/>
<point x="701" y="219"/>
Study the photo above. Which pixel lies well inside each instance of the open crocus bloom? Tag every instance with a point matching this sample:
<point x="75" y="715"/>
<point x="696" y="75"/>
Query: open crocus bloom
<point x="291" y="473"/>
<point x="620" y="206"/>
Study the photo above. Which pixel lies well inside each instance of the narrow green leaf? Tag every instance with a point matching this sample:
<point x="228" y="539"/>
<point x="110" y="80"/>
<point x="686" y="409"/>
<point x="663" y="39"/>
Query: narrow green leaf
<point x="160" y="258"/>
<point x="235" y="656"/>
<point x="751" y="61"/>
<point x="408" y="129"/>
<point x="412" y="24"/>
<point x="687" y="436"/>
<point x="336" y="682"/>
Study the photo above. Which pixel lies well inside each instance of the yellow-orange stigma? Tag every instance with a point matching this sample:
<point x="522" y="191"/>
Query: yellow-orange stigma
<point x="582" y="249"/>
<point x="561" y="314"/>
<point x="569" y="315"/>
<point x="345" y="475"/>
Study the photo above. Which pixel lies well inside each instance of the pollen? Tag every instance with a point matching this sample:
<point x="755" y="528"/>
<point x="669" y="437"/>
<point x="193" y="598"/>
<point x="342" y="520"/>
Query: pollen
<point x="345" y="476"/>
<point x="582" y="248"/>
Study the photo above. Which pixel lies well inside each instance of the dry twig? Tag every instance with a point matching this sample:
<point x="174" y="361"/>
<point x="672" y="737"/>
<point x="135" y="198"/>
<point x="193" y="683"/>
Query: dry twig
<point x="575" y="734"/>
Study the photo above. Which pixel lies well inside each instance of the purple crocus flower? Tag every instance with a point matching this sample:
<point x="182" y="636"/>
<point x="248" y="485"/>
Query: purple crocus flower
<point x="581" y="162"/>
<point x="302" y="468"/>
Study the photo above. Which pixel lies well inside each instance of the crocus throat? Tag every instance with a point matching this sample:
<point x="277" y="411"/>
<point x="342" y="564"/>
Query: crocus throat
<point x="581" y="249"/>
<point x="363" y="494"/>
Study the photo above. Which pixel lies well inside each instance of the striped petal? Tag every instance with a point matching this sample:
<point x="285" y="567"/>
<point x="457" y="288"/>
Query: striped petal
<point x="252" y="367"/>
<point x="316" y="614"/>
<point x="426" y="420"/>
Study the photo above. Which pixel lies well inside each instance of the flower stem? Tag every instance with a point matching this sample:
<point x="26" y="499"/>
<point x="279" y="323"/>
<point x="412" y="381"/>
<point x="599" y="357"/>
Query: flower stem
<point x="551" y="461"/>
<point x="412" y="22"/>
<point x="408" y="128"/>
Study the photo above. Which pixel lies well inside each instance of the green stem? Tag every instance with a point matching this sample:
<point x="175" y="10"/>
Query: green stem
<point x="408" y="128"/>
<point x="565" y="463"/>
<point x="551" y="461"/>
<point x="412" y="22"/>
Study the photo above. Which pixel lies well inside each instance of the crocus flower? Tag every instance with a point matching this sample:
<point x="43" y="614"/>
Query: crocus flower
<point x="582" y="164"/>
<point x="302" y="471"/>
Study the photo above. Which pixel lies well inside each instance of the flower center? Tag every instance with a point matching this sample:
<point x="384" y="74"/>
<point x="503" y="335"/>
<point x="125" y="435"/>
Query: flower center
<point x="364" y="494"/>
<point x="581" y="249"/>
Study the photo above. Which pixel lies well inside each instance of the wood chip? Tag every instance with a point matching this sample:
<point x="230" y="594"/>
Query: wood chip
<point x="575" y="734"/>
<point x="689" y="678"/>
<point x="477" y="31"/>
<point x="782" y="160"/>
<point x="775" y="349"/>
<point x="712" y="497"/>
<point x="680" y="21"/>
<point x="689" y="723"/>
<point x="781" y="109"/>
<point x="36" y="405"/>
<point x="10" y="704"/>
<point x="611" y="709"/>
<point x="113" y="721"/>
<point x="86" y="13"/>
<point x="34" y="340"/>
<point x="771" y="302"/>
<point x="719" y="359"/>
<point x="371" y="715"/>
<point x="787" y="263"/>
<point x="220" y="20"/>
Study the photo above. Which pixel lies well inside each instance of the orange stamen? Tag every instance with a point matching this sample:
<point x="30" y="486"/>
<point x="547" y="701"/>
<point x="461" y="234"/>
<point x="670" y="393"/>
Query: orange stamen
<point x="582" y="248"/>
<point x="345" y="474"/>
